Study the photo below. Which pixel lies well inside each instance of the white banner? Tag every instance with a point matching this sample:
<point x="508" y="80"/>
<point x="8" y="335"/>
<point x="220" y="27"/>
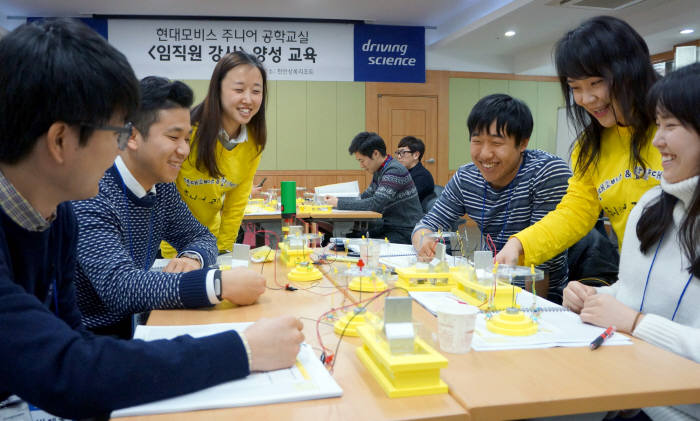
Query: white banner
<point x="189" y="49"/>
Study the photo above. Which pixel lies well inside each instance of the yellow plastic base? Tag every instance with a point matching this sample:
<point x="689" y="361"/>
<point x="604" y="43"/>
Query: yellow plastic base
<point x="259" y="205"/>
<point x="477" y="294"/>
<point x="294" y="257"/>
<point x="512" y="324"/>
<point x="402" y="375"/>
<point x="305" y="273"/>
<point x="262" y="254"/>
<point x="314" y="208"/>
<point x="352" y="325"/>
<point x="426" y="286"/>
<point x="420" y="280"/>
<point x="367" y="284"/>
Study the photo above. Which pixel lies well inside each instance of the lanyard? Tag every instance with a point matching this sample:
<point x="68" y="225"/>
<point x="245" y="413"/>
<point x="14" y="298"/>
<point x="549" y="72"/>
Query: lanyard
<point x="505" y="219"/>
<point x="646" y="284"/>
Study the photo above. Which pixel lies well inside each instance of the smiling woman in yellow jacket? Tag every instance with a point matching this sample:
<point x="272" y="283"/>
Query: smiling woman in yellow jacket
<point x="605" y="73"/>
<point x="228" y="138"/>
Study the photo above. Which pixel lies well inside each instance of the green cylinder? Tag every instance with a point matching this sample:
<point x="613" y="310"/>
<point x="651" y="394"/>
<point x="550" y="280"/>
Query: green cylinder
<point x="288" y="193"/>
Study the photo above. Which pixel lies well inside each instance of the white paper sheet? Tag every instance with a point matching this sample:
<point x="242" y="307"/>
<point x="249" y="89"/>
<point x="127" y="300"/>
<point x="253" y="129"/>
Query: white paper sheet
<point x="349" y="189"/>
<point x="312" y="381"/>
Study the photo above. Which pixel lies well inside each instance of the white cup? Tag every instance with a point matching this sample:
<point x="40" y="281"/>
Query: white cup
<point x="456" y="327"/>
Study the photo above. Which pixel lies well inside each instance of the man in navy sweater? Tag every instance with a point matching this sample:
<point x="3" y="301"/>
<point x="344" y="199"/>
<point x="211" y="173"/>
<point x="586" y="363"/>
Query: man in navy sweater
<point x="65" y="94"/>
<point x="137" y="207"/>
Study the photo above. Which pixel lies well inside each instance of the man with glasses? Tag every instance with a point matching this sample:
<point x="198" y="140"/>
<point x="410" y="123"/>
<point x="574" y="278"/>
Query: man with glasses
<point x="138" y="206"/>
<point x="410" y="153"/>
<point x="392" y="192"/>
<point x="53" y="151"/>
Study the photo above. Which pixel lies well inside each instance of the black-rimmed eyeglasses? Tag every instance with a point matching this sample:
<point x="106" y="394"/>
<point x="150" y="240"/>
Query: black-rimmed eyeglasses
<point x="123" y="133"/>
<point x="399" y="153"/>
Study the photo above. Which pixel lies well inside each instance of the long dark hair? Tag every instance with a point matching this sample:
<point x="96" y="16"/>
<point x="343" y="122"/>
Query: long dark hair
<point x="677" y="95"/>
<point x="207" y="115"/>
<point x="607" y="47"/>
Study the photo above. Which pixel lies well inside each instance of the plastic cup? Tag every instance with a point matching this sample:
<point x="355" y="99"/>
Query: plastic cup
<point x="456" y="327"/>
<point x="369" y="253"/>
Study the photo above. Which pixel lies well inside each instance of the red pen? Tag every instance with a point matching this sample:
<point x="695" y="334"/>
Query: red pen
<point x="597" y="342"/>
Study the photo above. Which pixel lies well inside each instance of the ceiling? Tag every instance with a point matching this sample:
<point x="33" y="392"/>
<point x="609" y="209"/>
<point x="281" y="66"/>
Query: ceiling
<point x="460" y="34"/>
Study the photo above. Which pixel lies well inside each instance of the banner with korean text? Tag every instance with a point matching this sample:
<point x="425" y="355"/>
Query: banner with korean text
<point x="189" y="49"/>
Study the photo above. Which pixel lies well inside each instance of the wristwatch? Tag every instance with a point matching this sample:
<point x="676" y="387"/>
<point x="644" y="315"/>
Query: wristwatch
<point x="217" y="284"/>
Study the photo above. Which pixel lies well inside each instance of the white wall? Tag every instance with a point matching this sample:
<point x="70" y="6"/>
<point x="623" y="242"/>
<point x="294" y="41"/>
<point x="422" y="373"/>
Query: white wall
<point x="10" y="23"/>
<point x="447" y="59"/>
<point x="535" y="61"/>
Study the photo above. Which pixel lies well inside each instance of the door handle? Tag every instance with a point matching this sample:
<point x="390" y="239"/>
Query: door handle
<point x="430" y="161"/>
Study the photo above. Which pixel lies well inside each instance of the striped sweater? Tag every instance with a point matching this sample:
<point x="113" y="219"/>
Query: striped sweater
<point x="118" y="241"/>
<point x="393" y="194"/>
<point x="536" y="189"/>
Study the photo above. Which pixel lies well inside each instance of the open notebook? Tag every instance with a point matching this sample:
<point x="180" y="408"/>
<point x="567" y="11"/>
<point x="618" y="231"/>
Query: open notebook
<point x="306" y="380"/>
<point x="558" y="327"/>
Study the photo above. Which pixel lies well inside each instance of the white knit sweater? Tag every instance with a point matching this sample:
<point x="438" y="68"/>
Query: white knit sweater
<point x="666" y="282"/>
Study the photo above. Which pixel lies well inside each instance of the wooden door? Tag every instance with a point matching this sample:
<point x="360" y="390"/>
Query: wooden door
<point x="401" y="116"/>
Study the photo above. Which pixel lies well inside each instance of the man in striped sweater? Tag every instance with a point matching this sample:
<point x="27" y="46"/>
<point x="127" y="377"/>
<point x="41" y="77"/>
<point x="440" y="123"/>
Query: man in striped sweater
<point x="392" y="192"/>
<point x="506" y="187"/>
<point x="137" y="207"/>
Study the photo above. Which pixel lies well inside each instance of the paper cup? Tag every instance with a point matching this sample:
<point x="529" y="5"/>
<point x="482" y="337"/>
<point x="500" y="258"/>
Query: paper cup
<point x="456" y="327"/>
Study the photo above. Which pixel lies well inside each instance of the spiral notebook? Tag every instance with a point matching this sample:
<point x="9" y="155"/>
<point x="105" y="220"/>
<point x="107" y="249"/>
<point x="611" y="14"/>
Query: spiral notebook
<point x="558" y="327"/>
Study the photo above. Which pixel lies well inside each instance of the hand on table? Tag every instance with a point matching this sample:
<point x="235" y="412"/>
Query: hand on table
<point x="274" y="343"/>
<point x="575" y="294"/>
<point x="182" y="264"/>
<point x="605" y="310"/>
<point x="242" y="286"/>
<point x="510" y="253"/>
<point x="331" y="200"/>
<point x="424" y="246"/>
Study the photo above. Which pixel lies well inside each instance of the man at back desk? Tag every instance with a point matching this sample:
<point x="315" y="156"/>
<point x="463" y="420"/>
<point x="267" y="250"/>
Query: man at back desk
<point x="392" y="192"/>
<point x="410" y="153"/>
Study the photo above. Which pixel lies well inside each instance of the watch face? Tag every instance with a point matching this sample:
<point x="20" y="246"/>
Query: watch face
<point x="217" y="287"/>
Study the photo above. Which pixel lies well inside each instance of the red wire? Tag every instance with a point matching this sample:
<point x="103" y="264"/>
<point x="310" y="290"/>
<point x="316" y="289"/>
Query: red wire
<point x="324" y="315"/>
<point x="491" y="244"/>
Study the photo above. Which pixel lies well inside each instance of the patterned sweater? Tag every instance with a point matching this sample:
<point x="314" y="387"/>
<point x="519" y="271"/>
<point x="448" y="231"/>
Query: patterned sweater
<point x="536" y="189"/>
<point x="51" y="361"/>
<point x="118" y="242"/>
<point x="392" y="193"/>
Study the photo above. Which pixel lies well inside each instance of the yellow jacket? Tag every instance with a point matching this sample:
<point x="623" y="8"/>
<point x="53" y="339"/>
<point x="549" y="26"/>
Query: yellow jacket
<point x="611" y="185"/>
<point x="218" y="203"/>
